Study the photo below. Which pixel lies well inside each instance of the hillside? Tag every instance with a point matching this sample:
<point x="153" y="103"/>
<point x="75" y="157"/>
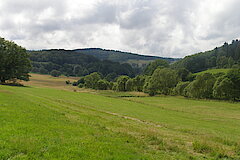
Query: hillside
<point x="136" y="60"/>
<point x="72" y="63"/>
<point x="226" y="56"/>
<point x="213" y="71"/>
<point x="81" y="62"/>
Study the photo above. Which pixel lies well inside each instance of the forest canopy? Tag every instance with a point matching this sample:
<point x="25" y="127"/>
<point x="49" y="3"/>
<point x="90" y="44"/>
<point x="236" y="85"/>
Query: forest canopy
<point x="71" y="63"/>
<point x="226" y="56"/>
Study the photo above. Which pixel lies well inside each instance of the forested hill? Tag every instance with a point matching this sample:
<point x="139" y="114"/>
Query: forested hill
<point x="71" y="63"/>
<point x="135" y="60"/>
<point x="82" y="62"/>
<point x="226" y="56"/>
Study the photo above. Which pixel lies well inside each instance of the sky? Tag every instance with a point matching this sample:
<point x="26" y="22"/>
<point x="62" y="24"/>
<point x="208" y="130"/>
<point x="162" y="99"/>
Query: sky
<point x="167" y="28"/>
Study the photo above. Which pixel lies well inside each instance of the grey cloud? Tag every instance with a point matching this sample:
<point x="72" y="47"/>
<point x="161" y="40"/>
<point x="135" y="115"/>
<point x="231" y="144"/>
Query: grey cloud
<point x="157" y="27"/>
<point x="103" y="13"/>
<point x="137" y="19"/>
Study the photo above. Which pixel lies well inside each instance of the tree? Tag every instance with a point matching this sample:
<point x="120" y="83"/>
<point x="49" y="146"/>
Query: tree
<point x="114" y="86"/>
<point x="121" y="83"/>
<point x="146" y="84"/>
<point x="102" y="84"/>
<point x="138" y="83"/>
<point x="78" y="70"/>
<point x="43" y="71"/>
<point x="227" y="86"/>
<point x="184" y="74"/>
<point x="179" y="89"/>
<point x="81" y="81"/>
<point x="111" y="76"/>
<point x="55" y="73"/>
<point x="130" y="85"/>
<point x="91" y="80"/>
<point x="202" y="87"/>
<point x="14" y="62"/>
<point x="163" y="81"/>
<point x="222" y="62"/>
<point x="234" y="76"/>
<point x="223" y="88"/>
<point x="159" y="63"/>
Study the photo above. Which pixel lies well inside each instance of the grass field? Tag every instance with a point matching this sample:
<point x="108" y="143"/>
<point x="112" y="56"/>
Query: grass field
<point x="213" y="71"/>
<point x="45" y="121"/>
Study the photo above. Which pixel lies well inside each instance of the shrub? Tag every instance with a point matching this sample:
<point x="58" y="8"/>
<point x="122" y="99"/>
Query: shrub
<point x="67" y="82"/>
<point x="80" y="85"/>
<point x="75" y="84"/>
<point x="55" y="73"/>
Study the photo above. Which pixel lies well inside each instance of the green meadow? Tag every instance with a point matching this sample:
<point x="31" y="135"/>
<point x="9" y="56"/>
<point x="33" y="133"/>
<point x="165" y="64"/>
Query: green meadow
<point x="39" y="122"/>
<point x="213" y="71"/>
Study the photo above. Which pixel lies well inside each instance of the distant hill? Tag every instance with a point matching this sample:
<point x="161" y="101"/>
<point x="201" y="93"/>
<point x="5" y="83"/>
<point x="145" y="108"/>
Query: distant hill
<point x="136" y="60"/>
<point x="226" y="56"/>
<point x="80" y="62"/>
<point x="72" y="63"/>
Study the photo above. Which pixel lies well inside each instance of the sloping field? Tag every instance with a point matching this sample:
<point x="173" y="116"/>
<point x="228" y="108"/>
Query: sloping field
<point x="45" y="123"/>
<point x="213" y="71"/>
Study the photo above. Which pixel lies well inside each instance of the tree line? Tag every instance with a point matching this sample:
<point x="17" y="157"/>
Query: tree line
<point x="160" y="78"/>
<point x="226" y="56"/>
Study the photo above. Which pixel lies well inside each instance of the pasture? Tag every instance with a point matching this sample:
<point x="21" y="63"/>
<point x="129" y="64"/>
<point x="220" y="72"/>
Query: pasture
<point x="213" y="71"/>
<point x="46" y="121"/>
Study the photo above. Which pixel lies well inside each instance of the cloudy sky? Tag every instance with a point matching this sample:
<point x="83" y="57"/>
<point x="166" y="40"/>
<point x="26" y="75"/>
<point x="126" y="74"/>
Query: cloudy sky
<point x="169" y="28"/>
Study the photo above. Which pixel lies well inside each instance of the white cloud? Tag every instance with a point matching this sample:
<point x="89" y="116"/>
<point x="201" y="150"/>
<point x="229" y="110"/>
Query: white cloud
<point x="157" y="27"/>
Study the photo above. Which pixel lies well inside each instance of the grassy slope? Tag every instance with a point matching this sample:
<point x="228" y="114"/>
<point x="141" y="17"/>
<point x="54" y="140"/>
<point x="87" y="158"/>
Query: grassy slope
<point x="213" y="71"/>
<point x="43" y="123"/>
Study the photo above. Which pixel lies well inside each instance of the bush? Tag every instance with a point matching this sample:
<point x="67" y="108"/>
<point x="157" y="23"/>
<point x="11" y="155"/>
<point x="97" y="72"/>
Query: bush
<point x="68" y="82"/>
<point x="75" y="84"/>
<point x="81" y="80"/>
<point x="55" y="73"/>
<point x="80" y="85"/>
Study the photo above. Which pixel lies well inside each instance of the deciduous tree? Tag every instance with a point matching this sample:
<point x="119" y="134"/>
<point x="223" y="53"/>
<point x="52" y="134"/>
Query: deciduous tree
<point x="14" y="61"/>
